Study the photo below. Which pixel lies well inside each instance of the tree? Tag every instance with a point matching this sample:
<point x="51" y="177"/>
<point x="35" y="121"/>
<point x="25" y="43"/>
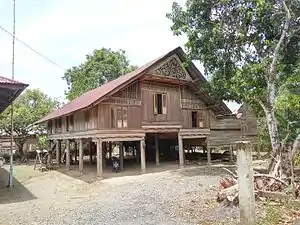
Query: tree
<point x="28" y="108"/>
<point x="249" y="48"/>
<point x="101" y="66"/>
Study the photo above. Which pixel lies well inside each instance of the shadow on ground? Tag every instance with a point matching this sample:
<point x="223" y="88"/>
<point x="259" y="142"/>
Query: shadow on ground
<point x="18" y="193"/>
<point x="208" y="171"/>
<point x="89" y="174"/>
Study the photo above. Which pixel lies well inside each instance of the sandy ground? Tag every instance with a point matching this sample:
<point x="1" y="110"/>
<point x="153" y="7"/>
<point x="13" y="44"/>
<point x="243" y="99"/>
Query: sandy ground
<point x="183" y="197"/>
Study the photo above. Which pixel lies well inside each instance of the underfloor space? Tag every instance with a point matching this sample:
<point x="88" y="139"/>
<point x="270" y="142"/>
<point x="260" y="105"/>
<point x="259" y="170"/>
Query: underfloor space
<point x="90" y="174"/>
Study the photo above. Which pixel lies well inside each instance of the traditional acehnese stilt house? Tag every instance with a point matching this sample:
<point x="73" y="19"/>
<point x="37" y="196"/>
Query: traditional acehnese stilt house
<point x="159" y="105"/>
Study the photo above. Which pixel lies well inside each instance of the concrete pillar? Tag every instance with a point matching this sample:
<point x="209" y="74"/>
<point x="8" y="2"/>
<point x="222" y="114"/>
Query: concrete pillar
<point x="246" y="183"/>
<point x="121" y="154"/>
<point x="67" y="152"/>
<point x="91" y="151"/>
<point x="57" y="152"/>
<point x="208" y="153"/>
<point x="143" y="155"/>
<point x="81" y="156"/>
<point x="156" y="150"/>
<point x="99" y="158"/>
<point x="181" y="151"/>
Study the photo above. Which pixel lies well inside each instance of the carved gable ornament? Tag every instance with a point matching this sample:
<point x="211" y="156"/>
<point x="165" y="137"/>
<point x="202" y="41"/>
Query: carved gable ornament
<point x="171" y="67"/>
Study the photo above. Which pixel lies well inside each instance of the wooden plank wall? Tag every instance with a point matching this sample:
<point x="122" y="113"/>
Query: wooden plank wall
<point x="173" y="115"/>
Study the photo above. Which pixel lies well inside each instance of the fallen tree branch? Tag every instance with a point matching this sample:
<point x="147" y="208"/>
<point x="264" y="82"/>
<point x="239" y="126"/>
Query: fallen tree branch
<point x="272" y="177"/>
<point x="233" y="174"/>
<point x="273" y="194"/>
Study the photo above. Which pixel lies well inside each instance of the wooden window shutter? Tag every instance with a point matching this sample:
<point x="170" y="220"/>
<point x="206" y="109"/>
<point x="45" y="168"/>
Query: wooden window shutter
<point x="200" y="119"/>
<point x="164" y="104"/>
<point x="125" y="112"/>
<point x="119" y="117"/>
<point x="155" y="103"/>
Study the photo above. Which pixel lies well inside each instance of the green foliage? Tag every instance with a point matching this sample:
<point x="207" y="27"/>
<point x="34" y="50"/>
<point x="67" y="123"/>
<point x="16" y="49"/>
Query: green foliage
<point x="288" y="106"/>
<point x="100" y="66"/>
<point x="28" y="108"/>
<point x="42" y="142"/>
<point x="235" y="41"/>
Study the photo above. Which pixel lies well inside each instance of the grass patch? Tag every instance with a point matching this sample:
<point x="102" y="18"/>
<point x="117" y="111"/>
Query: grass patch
<point x="279" y="213"/>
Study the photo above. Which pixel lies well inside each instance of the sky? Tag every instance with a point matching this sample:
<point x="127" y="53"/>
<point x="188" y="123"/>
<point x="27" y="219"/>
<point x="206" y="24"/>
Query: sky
<point x="66" y="30"/>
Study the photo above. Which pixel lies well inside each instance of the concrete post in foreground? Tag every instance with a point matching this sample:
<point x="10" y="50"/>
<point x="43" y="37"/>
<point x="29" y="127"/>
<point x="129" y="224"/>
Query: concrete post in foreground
<point x="143" y="156"/>
<point x="156" y="150"/>
<point x="99" y="158"/>
<point x="180" y="151"/>
<point x="67" y="154"/>
<point x="80" y="156"/>
<point x="246" y="183"/>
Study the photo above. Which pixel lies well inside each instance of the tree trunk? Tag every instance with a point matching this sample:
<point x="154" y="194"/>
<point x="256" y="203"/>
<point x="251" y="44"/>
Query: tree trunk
<point x="274" y="137"/>
<point x="20" y="141"/>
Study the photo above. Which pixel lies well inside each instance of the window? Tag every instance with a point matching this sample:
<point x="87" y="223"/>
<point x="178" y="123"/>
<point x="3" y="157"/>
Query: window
<point x="194" y="119"/>
<point x="112" y="117"/>
<point x="160" y="104"/>
<point x="50" y="126"/>
<point x="122" y="113"/>
<point x="197" y="119"/>
<point x="58" y="123"/>
<point x="67" y="123"/>
<point x="71" y="118"/>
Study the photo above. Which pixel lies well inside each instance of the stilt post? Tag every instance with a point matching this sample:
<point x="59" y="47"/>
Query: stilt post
<point x="156" y="150"/>
<point x="121" y="154"/>
<point x="181" y="151"/>
<point x="143" y="155"/>
<point x="67" y="152"/>
<point x="99" y="158"/>
<point x="80" y="156"/>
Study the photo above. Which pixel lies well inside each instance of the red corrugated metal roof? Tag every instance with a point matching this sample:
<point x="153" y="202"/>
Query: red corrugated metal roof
<point x="4" y="80"/>
<point x="99" y="93"/>
<point x="94" y="95"/>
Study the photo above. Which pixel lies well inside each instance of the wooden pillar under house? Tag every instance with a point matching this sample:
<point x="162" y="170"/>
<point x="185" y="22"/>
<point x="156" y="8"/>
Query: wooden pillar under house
<point x="156" y="150"/>
<point x="81" y="156"/>
<point x="143" y="156"/>
<point x="121" y="154"/>
<point x="99" y="158"/>
<point x="180" y="151"/>
<point x="67" y="152"/>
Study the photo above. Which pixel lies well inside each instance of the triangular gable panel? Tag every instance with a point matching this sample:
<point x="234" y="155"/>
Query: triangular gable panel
<point x="171" y="67"/>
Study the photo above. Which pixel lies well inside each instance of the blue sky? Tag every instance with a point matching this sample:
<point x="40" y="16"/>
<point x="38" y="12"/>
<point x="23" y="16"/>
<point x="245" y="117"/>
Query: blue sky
<point x="65" y="31"/>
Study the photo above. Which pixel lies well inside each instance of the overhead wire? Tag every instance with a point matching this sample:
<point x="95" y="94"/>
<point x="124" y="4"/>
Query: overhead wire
<point x="32" y="49"/>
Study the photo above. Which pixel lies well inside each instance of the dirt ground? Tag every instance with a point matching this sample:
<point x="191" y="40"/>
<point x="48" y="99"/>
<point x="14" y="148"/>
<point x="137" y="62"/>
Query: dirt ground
<point x="171" y="197"/>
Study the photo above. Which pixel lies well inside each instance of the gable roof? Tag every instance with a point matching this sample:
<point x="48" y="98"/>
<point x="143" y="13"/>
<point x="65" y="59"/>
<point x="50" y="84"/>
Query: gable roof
<point x="9" y="91"/>
<point x="96" y="95"/>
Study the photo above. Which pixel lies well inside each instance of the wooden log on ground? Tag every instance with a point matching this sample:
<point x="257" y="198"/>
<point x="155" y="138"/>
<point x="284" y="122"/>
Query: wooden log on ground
<point x="224" y="193"/>
<point x="273" y="195"/>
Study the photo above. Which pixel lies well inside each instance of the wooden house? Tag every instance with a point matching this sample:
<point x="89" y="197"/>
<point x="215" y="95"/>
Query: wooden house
<point x="160" y="107"/>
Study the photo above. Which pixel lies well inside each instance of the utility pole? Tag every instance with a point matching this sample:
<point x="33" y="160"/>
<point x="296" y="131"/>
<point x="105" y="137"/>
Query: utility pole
<point x="11" y="159"/>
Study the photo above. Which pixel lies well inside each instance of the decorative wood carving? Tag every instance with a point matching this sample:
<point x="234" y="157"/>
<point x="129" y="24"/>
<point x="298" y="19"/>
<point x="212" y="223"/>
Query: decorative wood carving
<point x="171" y="68"/>
<point x="192" y="104"/>
<point x="132" y="91"/>
<point x="123" y="101"/>
<point x="159" y="88"/>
